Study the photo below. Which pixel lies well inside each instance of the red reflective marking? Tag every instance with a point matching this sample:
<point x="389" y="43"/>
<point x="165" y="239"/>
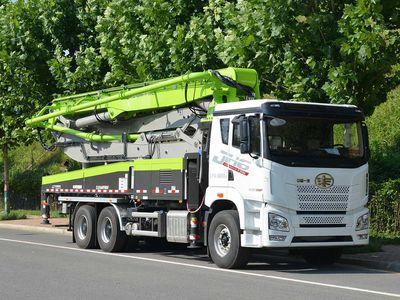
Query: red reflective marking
<point x="236" y="169"/>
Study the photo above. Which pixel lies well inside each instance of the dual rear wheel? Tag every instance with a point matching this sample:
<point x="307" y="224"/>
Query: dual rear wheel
<point x="110" y="238"/>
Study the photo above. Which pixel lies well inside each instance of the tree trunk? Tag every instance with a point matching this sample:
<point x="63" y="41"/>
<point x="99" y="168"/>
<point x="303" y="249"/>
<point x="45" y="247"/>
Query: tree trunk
<point x="6" y="180"/>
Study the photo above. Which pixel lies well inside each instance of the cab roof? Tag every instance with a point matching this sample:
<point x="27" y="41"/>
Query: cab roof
<point x="279" y="108"/>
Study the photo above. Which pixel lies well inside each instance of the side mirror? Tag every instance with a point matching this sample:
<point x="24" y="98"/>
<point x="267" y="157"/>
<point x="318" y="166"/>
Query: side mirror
<point x="244" y="136"/>
<point x="244" y="131"/>
<point x="364" y="131"/>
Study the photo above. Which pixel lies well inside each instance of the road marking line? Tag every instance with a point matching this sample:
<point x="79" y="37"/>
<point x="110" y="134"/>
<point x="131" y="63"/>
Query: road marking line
<point x="206" y="268"/>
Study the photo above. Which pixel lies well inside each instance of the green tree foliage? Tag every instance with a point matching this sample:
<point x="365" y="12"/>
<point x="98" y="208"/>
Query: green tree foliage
<point x="384" y="132"/>
<point x="24" y="76"/>
<point x="46" y="47"/>
<point x="77" y="64"/>
<point x="324" y="51"/>
<point x="367" y="53"/>
<point x="146" y="40"/>
<point x="384" y="207"/>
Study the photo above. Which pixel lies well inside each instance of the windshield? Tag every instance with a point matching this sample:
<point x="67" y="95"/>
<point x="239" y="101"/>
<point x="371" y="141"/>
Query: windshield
<point x="315" y="142"/>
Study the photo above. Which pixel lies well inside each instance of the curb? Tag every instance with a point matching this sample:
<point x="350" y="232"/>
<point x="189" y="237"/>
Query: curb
<point x="393" y="266"/>
<point x="61" y="231"/>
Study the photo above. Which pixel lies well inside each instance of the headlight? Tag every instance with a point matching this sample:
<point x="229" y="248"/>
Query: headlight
<point x="277" y="222"/>
<point x="362" y="222"/>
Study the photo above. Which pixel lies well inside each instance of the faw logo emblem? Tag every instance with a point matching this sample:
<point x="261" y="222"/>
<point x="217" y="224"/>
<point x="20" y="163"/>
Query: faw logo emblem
<point x="324" y="181"/>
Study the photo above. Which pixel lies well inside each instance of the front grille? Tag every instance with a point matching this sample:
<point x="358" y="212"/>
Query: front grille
<point x="322" y="197"/>
<point x="311" y="189"/>
<point x="321" y="220"/>
<point x="312" y="198"/>
<point x="323" y="206"/>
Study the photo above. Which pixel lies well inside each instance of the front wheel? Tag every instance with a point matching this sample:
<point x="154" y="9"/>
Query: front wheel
<point x="109" y="235"/>
<point x="224" y="241"/>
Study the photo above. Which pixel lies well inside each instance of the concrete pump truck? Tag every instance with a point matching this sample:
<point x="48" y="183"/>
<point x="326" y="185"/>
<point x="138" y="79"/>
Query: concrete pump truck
<point x="196" y="160"/>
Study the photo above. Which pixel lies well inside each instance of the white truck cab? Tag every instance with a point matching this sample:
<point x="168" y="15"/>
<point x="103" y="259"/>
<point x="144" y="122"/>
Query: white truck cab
<point x="296" y="173"/>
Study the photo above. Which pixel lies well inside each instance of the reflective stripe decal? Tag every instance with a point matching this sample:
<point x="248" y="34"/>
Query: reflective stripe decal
<point x="85" y="191"/>
<point x="173" y="190"/>
<point x="157" y="190"/>
<point x="141" y="191"/>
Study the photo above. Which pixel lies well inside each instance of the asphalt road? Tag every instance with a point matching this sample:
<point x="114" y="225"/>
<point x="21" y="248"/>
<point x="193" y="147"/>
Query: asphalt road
<point x="49" y="266"/>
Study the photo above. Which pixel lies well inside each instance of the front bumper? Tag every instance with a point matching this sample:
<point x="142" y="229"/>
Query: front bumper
<point x="322" y="232"/>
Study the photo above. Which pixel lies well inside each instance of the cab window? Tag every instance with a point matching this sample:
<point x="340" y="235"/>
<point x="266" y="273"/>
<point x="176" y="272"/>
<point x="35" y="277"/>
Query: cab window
<point x="255" y="138"/>
<point x="236" y="135"/>
<point x="224" y="124"/>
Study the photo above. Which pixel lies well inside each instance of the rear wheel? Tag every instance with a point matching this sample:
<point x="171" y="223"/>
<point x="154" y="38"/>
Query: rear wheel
<point x="224" y="241"/>
<point x="84" y="227"/>
<point x="322" y="256"/>
<point x="109" y="234"/>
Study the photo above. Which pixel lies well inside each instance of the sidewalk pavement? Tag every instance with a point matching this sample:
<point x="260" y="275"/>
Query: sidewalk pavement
<point x="33" y="223"/>
<point x="388" y="259"/>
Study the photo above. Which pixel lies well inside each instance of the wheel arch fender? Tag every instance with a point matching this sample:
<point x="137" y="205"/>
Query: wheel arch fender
<point x="118" y="211"/>
<point x="233" y="201"/>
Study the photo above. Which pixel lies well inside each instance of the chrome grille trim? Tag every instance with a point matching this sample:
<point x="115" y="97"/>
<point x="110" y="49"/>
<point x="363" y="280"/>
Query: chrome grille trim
<point x="321" y="220"/>
<point x="311" y="189"/>
<point x="312" y="198"/>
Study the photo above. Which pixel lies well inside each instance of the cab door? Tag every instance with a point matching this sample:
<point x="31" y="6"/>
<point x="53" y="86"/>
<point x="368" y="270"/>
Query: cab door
<point x="219" y="154"/>
<point x="245" y="172"/>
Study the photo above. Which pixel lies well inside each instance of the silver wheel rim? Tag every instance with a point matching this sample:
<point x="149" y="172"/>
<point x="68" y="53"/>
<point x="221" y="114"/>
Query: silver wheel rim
<point x="82" y="227"/>
<point x="222" y="240"/>
<point x="106" y="230"/>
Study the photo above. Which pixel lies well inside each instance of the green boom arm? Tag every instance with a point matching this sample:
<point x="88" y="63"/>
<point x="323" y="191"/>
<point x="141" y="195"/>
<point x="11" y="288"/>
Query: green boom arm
<point x="148" y="97"/>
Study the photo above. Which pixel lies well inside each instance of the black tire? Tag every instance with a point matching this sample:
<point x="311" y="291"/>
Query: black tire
<point x="322" y="256"/>
<point x="224" y="241"/>
<point x="84" y="227"/>
<point x="109" y="235"/>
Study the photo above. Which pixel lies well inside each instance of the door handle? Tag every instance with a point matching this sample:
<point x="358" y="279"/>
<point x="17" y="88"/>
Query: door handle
<point x="230" y="175"/>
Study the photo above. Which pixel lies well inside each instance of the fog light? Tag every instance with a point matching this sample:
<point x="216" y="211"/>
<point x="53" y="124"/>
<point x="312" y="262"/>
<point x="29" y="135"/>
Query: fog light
<point x="277" y="238"/>
<point x="362" y="236"/>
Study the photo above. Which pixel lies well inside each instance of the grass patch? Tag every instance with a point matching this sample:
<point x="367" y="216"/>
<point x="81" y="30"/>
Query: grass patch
<point x="30" y="212"/>
<point x="18" y="214"/>
<point x="13" y="215"/>
<point x="386" y="239"/>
